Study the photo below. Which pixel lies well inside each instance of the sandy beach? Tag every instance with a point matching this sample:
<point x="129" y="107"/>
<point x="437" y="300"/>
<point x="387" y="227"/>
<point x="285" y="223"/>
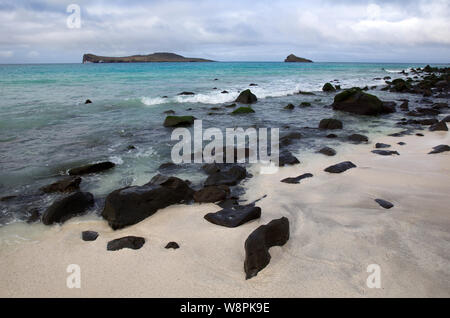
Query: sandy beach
<point x="336" y="231"/>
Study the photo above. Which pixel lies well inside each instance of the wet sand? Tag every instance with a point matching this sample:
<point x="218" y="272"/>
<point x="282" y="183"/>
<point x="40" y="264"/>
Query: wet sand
<point x="337" y="230"/>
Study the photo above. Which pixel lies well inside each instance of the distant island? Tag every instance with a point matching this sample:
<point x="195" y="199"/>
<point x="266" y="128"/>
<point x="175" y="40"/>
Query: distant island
<point x="155" y="57"/>
<point x="293" y="58"/>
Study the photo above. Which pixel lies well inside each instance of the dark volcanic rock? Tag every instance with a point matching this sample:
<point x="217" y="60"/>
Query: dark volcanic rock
<point x="328" y="151"/>
<point x="288" y="138"/>
<point x="186" y="93"/>
<point x="439" y="149"/>
<point x="234" y="216"/>
<point x="330" y="123"/>
<point x="419" y="135"/>
<point x="446" y="119"/>
<point x="212" y="194"/>
<point x="331" y="136"/>
<point x="178" y="121"/>
<point x="328" y="88"/>
<point x="173" y="245"/>
<point x="246" y="97"/>
<point x="211" y="168"/>
<point x="289" y="107"/>
<point x="440" y="126"/>
<point x="429" y="121"/>
<point x="257" y="257"/>
<point x="287" y="158"/>
<point x="131" y="205"/>
<point x="385" y="152"/>
<point x="66" y="185"/>
<point x="229" y="176"/>
<point x="88" y="101"/>
<point x="340" y="167"/>
<point x="33" y="216"/>
<point x="381" y="145"/>
<point x="357" y="102"/>
<point x="401" y="143"/>
<point x="404" y="106"/>
<point x="92" y="168"/>
<point x="297" y="180"/>
<point x="63" y="209"/>
<point x="133" y="242"/>
<point x="385" y="204"/>
<point x="428" y="111"/>
<point x="89" y="235"/>
<point x="169" y="112"/>
<point x="358" y="138"/>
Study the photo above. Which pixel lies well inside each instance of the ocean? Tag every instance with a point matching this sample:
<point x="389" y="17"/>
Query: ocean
<point x="46" y="129"/>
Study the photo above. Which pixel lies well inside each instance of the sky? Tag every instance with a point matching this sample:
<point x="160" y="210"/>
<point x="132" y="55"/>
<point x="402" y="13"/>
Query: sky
<point x="227" y="30"/>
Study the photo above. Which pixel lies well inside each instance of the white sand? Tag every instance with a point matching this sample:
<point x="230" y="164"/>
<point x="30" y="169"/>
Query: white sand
<point x="337" y="230"/>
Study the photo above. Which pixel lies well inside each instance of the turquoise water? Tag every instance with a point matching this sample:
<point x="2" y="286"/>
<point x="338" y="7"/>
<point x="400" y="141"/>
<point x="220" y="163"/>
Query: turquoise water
<point x="45" y="127"/>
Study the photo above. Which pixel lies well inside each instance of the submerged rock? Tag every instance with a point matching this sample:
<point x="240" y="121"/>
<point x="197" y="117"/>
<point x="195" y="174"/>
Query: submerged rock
<point x="89" y="235"/>
<point x="439" y="149"/>
<point x="297" y="180"/>
<point x="88" y="101"/>
<point x="66" y="185"/>
<point x="246" y="97"/>
<point x="257" y="257"/>
<point x="357" y="102"/>
<point x="63" y="209"/>
<point x="186" y="93"/>
<point x="289" y="107"/>
<point x="173" y="245"/>
<point x="340" y="167"/>
<point x="234" y="216"/>
<point x="131" y="205"/>
<point x="212" y="194"/>
<point x="92" y="168"/>
<point x="132" y="242"/>
<point x="179" y="121"/>
<point x="328" y="151"/>
<point x="330" y="123"/>
<point x="385" y="152"/>
<point x="242" y="110"/>
<point x="383" y="203"/>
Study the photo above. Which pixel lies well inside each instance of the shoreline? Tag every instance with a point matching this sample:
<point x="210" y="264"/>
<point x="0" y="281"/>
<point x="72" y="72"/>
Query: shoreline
<point x="337" y="230"/>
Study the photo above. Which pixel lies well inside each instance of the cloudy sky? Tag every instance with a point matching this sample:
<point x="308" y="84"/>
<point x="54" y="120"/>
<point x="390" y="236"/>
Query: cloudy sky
<point x="228" y="30"/>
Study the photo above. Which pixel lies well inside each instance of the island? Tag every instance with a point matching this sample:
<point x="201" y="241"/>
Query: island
<point x="155" y="57"/>
<point x="293" y="58"/>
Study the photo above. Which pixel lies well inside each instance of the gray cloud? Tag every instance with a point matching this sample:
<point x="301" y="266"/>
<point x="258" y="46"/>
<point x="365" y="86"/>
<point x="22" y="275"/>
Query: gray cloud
<point x="36" y="31"/>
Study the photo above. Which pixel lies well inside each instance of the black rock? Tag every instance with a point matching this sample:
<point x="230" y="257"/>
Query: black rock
<point x="186" y="93"/>
<point x="88" y="101"/>
<point x="89" y="235"/>
<point x="381" y="145"/>
<point x="66" y="185"/>
<point x="169" y="112"/>
<point x="224" y="92"/>
<point x="246" y="97"/>
<point x="446" y="119"/>
<point x="340" y="167"/>
<point x="440" y="126"/>
<point x="428" y="111"/>
<point x="131" y="205"/>
<point x="289" y="107"/>
<point x="404" y="106"/>
<point x="287" y="158"/>
<point x="297" y="180"/>
<point x="419" y="135"/>
<point x="331" y="136"/>
<point x="133" y="242"/>
<point x="385" y="152"/>
<point x="357" y="138"/>
<point x="439" y="149"/>
<point x="257" y="257"/>
<point x="33" y="216"/>
<point x="7" y="198"/>
<point x="328" y="151"/>
<point x="63" y="209"/>
<point x="327" y="87"/>
<point x="357" y="102"/>
<point x="211" y="168"/>
<point x="429" y="121"/>
<point x="253" y="84"/>
<point x="385" y="204"/>
<point x="173" y="245"/>
<point x="234" y="216"/>
<point x="288" y="138"/>
<point x="228" y="176"/>
<point x="401" y="143"/>
<point x="212" y="194"/>
<point x="330" y="123"/>
<point x="167" y="165"/>
<point x="92" y="168"/>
